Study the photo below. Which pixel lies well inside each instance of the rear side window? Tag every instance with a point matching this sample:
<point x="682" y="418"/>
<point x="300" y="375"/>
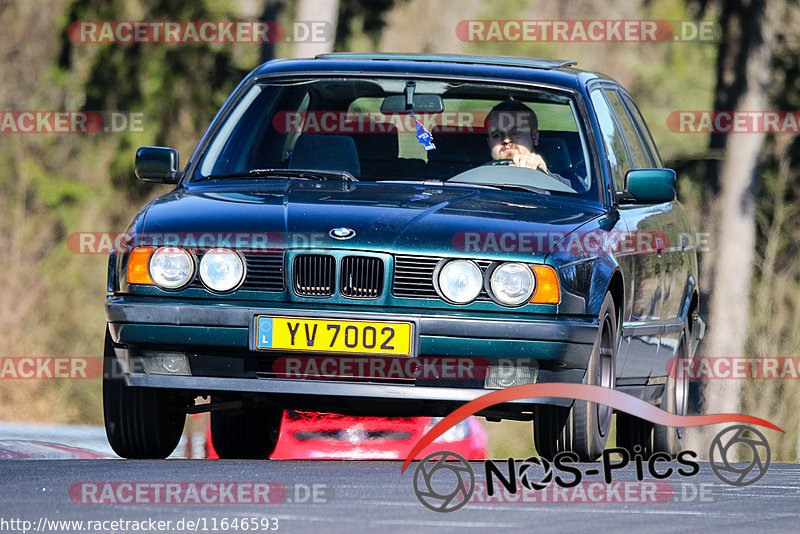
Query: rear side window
<point x="639" y="120"/>
<point x="613" y="140"/>
<point x="639" y="150"/>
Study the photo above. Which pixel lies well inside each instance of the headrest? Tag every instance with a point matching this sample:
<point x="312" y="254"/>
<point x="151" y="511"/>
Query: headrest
<point x="457" y="146"/>
<point x="325" y="153"/>
<point x="380" y="144"/>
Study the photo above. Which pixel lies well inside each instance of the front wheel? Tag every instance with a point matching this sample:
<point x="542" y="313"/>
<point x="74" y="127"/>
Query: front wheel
<point x="584" y="427"/>
<point x="249" y="433"/>
<point x="140" y="422"/>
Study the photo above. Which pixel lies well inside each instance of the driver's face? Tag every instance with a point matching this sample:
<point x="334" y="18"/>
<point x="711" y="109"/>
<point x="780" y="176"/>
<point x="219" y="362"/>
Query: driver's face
<point x="510" y="135"/>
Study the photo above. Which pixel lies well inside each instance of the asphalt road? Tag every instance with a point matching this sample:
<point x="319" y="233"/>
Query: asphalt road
<point x="371" y="496"/>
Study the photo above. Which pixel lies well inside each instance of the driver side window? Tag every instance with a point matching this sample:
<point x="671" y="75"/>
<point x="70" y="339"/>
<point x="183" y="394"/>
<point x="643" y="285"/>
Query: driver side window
<point x="618" y="159"/>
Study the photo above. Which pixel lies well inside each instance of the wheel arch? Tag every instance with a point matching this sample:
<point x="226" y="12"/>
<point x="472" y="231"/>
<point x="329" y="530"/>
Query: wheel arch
<point x="616" y="286"/>
<point x="691" y="301"/>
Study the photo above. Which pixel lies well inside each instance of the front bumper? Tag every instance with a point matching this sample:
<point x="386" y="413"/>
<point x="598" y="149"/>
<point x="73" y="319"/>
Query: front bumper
<point x="215" y="332"/>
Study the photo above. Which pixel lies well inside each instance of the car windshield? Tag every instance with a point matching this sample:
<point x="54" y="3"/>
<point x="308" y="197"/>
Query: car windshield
<point x="404" y="129"/>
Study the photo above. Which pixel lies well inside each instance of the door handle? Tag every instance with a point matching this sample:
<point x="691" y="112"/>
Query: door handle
<point x="684" y="243"/>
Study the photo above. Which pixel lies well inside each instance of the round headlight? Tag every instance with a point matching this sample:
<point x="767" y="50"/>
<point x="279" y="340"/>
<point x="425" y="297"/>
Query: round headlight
<point x="460" y="281"/>
<point x="221" y="269"/>
<point x="171" y="267"/>
<point x="512" y="283"/>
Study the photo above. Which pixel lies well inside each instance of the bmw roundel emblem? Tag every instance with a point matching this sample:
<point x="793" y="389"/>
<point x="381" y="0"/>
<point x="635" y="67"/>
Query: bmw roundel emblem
<point x="342" y="233"/>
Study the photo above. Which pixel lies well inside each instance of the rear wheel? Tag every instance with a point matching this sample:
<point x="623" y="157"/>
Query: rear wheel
<point x="139" y="422"/>
<point x="584" y="427"/>
<point x="248" y="433"/>
<point x="675" y="399"/>
<point x="645" y="438"/>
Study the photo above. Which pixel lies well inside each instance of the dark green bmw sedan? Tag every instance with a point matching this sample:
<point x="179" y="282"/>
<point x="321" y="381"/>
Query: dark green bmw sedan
<point x="396" y="235"/>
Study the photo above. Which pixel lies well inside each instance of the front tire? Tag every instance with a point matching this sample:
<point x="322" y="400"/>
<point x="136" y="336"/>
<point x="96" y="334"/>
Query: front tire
<point x="249" y="433"/>
<point x="584" y="427"/>
<point x="140" y="422"/>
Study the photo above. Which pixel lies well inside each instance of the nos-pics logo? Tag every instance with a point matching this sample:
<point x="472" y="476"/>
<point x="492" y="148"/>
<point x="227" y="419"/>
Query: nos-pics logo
<point x="444" y="481"/>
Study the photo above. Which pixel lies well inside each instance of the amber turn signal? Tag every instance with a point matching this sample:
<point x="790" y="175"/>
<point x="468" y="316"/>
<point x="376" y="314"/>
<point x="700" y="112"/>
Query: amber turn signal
<point x="548" y="290"/>
<point x="138" y="266"/>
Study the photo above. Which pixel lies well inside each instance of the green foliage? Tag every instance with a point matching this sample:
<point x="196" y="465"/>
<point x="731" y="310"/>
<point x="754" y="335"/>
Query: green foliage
<point x="178" y="87"/>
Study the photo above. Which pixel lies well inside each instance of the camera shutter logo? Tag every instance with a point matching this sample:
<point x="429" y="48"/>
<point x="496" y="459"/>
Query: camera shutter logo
<point x="454" y="484"/>
<point x="526" y="472"/>
<point x="722" y="455"/>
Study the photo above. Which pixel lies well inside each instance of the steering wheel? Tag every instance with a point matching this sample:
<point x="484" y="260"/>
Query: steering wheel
<point x="509" y="162"/>
<point x="496" y="162"/>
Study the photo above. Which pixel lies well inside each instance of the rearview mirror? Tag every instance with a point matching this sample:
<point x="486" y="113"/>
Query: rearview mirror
<point x="157" y="164"/>
<point x="650" y="186"/>
<point x="422" y="103"/>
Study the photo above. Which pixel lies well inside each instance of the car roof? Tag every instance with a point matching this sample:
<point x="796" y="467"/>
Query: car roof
<point x="537" y="63"/>
<point x="553" y="71"/>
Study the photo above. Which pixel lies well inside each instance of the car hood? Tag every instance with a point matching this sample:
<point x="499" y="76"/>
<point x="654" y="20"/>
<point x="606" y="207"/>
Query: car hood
<point x="396" y="217"/>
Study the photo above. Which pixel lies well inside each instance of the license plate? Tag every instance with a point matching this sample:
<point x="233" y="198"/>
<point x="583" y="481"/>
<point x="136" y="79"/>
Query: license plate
<point x="333" y="335"/>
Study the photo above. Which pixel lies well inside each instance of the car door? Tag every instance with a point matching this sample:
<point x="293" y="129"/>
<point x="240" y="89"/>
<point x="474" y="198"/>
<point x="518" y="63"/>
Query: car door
<point x="640" y="256"/>
<point x="677" y="228"/>
<point x="680" y="256"/>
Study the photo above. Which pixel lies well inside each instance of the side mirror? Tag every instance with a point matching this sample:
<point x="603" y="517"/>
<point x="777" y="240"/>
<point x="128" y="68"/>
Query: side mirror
<point x="157" y="164"/>
<point x="649" y="186"/>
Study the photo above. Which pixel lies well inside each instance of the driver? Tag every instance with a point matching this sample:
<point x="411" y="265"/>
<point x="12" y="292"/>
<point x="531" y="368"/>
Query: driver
<point x="513" y="131"/>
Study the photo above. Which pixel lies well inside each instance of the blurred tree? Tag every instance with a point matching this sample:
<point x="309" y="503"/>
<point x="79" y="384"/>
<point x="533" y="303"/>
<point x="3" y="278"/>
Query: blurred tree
<point x="177" y="86"/>
<point x="317" y="10"/>
<point x="743" y="78"/>
<point x="272" y="9"/>
<point x="367" y="17"/>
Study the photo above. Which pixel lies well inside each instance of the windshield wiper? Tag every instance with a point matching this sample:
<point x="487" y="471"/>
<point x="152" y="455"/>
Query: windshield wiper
<point x="510" y="187"/>
<point x="294" y="174"/>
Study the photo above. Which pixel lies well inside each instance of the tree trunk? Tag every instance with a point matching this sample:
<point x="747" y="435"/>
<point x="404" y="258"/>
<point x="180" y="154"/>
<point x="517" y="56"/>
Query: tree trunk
<point x="272" y="8"/>
<point x="743" y="77"/>
<point x="316" y="10"/>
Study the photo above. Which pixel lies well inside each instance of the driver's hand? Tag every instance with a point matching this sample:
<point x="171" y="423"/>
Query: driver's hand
<point x="531" y="161"/>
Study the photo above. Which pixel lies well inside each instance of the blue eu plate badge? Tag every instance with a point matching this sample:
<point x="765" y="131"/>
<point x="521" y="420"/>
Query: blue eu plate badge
<point x="264" y="328"/>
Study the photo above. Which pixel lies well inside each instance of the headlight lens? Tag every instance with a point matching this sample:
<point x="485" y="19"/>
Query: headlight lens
<point x="221" y="269"/>
<point x="460" y="281"/>
<point x="171" y="267"/>
<point x="512" y="283"/>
